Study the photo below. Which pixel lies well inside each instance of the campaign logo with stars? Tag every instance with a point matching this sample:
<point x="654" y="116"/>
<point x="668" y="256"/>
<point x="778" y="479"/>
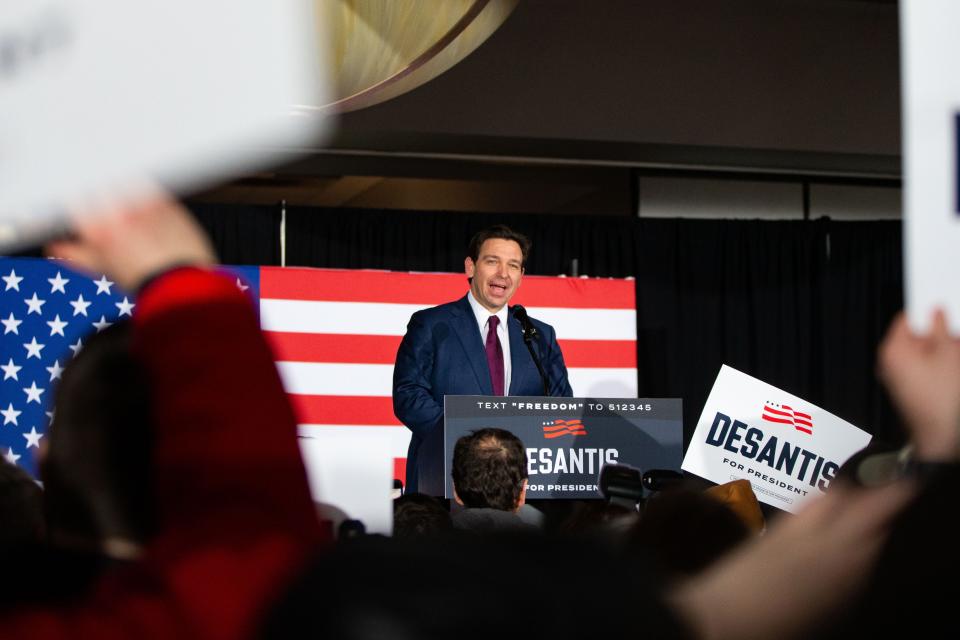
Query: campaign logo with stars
<point x="558" y="428"/>
<point x="47" y="311"/>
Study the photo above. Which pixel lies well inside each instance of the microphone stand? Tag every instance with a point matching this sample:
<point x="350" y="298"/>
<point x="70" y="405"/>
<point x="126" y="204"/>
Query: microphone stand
<point x="529" y="334"/>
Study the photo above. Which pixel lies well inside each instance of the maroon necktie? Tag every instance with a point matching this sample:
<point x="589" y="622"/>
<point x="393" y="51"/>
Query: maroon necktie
<point x="495" y="356"/>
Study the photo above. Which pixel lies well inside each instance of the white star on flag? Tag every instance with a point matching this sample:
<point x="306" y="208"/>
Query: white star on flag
<point x="241" y="286"/>
<point x="56" y="325"/>
<point x="55" y="370"/>
<point x="33" y="349"/>
<point x="10" y="325"/>
<point x="102" y="324"/>
<point x="33" y="438"/>
<point x="126" y="307"/>
<point x="12" y="280"/>
<point x="10" y="370"/>
<point x="33" y="393"/>
<point x="58" y="284"/>
<point x="76" y="347"/>
<point x="103" y="285"/>
<point x="34" y="304"/>
<point x="11" y="456"/>
<point x="79" y="305"/>
<point x="10" y="414"/>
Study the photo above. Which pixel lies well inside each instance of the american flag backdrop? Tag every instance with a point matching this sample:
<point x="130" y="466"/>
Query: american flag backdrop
<point x="334" y="333"/>
<point x="47" y="311"/>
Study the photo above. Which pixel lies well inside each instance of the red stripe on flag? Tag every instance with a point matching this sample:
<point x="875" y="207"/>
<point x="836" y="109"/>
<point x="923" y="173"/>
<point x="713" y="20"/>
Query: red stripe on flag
<point x="576" y="293"/>
<point x="369" y="349"/>
<point x="805" y="430"/>
<point x="780" y="420"/>
<point x="778" y="412"/>
<point x="565" y="432"/>
<point x="600" y="353"/>
<point x="348" y="285"/>
<point x="357" y="410"/>
<point x="329" y="347"/>
<point x="400" y="470"/>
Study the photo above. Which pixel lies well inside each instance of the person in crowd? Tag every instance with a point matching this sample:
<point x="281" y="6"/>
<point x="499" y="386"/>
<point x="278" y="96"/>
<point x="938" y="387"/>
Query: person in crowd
<point x="233" y="518"/>
<point x="96" y="465"/>
<point x="418" y="516"/>
<point x="98" y="506"/>
<point x="909" y="587"/>
<point x="684" y="531"/>
<point x="473" y="346"/>
<point x="490" y="481"/>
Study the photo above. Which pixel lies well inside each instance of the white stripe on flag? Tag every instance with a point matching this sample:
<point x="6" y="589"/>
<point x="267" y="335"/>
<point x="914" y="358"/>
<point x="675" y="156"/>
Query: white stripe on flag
<point x="603" y="383"/>
<point x="588" y="324"/>
<point x="399" y="439"/>
<point x="338" y="379"/>
<point x="360" y="318"/>
<point x="385" y="319"/>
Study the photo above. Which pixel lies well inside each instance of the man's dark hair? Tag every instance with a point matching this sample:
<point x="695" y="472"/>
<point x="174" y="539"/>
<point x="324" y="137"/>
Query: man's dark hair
<point x="416" y="515"/>
<point x="96" y="471"/>
<point x="489" y="469"/>
<point x="502" y="232"/>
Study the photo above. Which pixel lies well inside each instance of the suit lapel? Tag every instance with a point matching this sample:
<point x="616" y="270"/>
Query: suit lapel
<point x="465" y="328"/>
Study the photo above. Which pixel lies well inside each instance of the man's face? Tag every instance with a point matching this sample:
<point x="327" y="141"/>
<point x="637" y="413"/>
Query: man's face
<point x="496" y="273"/>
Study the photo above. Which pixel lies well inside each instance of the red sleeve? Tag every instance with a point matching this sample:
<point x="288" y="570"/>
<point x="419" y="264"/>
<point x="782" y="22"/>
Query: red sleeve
<point x="236" y="517"/>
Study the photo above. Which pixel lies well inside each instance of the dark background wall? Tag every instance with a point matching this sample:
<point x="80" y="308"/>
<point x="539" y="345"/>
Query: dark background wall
<point x="800" y="75"/>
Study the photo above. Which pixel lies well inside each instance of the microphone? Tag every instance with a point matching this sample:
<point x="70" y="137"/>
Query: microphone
<point x="529" y="334"/>
<point x="529" y="331"/>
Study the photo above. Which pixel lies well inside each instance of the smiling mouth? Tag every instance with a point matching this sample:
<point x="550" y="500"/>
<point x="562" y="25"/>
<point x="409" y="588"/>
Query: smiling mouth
<point x="498" y="288"/>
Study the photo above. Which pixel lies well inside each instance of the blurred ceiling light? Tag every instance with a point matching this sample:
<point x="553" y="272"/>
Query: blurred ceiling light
<point x="383" y="48"/>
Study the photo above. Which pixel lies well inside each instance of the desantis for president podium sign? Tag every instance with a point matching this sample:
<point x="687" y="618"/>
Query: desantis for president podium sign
<point x="568" y="440"/>
<point x="789" y="450"/>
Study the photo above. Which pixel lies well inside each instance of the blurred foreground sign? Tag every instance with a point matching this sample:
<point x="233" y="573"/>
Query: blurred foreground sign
<point x="789" y="450"/>
<point x="95" y="94"/>
<point x="931" y="126"/>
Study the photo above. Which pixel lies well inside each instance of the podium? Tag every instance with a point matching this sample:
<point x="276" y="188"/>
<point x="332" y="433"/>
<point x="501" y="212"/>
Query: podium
<point x="568" y="440"/>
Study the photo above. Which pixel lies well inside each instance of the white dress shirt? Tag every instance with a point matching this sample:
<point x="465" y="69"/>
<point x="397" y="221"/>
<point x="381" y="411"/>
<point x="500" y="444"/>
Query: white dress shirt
<point x="503" y="332"/>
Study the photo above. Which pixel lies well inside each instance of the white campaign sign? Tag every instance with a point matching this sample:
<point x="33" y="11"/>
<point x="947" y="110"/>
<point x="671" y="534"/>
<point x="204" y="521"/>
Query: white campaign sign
<point x="95" y="94"/>
<point x="786" y="447"/>
<point x="931" y="136"/>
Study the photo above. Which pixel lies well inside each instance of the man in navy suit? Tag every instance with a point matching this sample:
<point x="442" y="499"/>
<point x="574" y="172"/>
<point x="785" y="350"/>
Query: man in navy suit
<point x="473" y="346"/>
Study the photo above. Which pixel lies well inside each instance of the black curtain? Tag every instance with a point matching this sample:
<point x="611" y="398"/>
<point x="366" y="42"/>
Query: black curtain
<point x="799" y="304"/>
<point x="241" y="234"/>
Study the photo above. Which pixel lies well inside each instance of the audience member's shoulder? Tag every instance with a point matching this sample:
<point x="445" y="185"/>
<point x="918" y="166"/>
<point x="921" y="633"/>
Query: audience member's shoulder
<point x="482" y="520"/>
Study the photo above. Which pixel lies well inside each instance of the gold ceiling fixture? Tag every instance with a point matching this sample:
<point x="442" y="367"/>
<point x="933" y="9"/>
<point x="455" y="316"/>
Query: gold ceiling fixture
<point x="383" y="48"/>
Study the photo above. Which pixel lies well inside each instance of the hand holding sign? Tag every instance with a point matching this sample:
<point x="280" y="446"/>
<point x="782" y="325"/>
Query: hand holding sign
<point x="810" y="562"/>
<point x="922" y="373"/>
<point x="132" y="240"/>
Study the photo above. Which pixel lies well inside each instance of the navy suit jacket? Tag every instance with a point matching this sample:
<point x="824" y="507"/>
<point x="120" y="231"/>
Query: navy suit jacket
<point x="443" y="354"/>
